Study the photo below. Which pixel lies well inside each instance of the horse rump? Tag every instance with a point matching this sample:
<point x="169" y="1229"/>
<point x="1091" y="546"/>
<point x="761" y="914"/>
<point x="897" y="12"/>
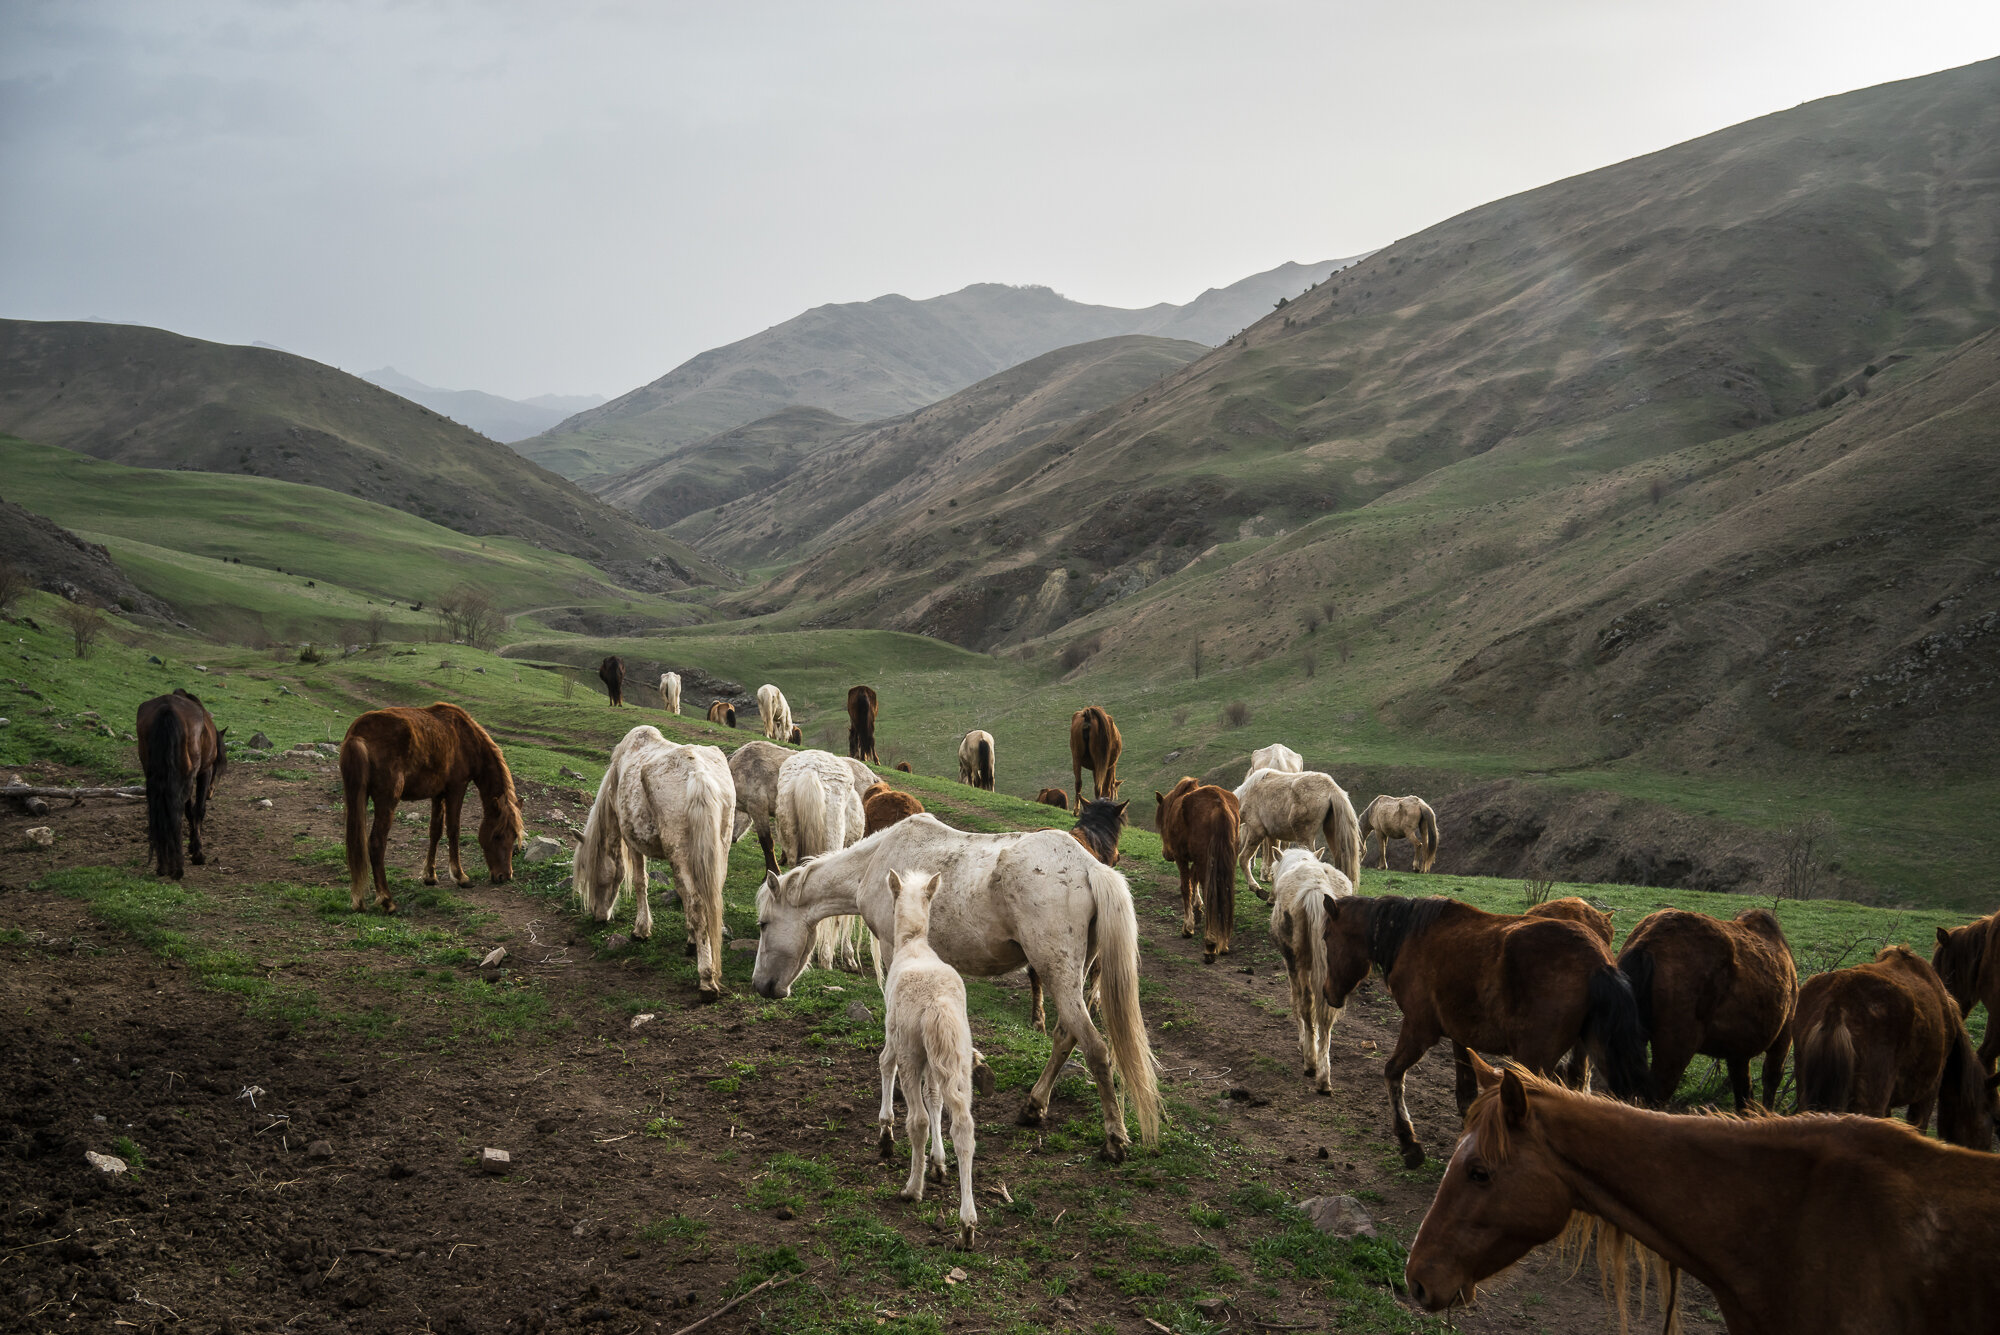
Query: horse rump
<point x="1612" y="1033"/>
<point x="1824" y="1068"/>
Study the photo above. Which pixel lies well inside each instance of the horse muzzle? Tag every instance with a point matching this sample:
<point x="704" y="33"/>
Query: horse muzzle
<point x="1430" y="1299"/>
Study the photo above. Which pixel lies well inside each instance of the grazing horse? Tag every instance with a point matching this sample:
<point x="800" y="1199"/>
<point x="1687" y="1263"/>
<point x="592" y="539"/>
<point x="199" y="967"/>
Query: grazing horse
<point x="927" y="1042"/>
<point x="1053" y="797"/>
<point x="753" y="767"/>
<point x="612" y="673"/>
<point x="406" y="755"/>
<point x="1302" y="889"/>
<point x="1279" y="757"/>
<point x="1297" y="808"/>
<point x="904" y="766"/>
<point x="1721" y="989"/>
<point x="818" y="811"/>
<point x="1094" y="744"/>
<point x="882" y="806"/>
<point x="975" y="759"/>
<point x="1408" y="818"/>
<point x="670" y="691"/>
<point x="861" y="707"/>
<point x="775" y="711"/>
<point x="1967" y="960"/>
<point x="797" y="736"/>
<point x="1571" y="908"/>
<point x="1199" y="824"/>
<point x="721" y="711"/>
<point x="1886" y="1034"/>
<point x="1798" y="1226"/>
<point x="662" y="800"/>
<point x="180" y="752"/>
<point x="1533" y="988"/>
<point x="1031" y="897"/>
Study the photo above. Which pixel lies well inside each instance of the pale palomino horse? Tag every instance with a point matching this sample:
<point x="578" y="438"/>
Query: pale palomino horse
<point x="1283" y="759"/>
<point x="1408" y="818"/>
<point x="670" y="691"/>
<point x="676" y="803"/>
<point x="818" y="810"/>
<point x="1301" y="889"/>
<point x="975" y="759"/>
<point x="1032" y="897"/>
<point x="754" y="766"/>
<point x="1299" y="809"/>
<point x="776" y="713"/>
<point x="927" y="1042"/>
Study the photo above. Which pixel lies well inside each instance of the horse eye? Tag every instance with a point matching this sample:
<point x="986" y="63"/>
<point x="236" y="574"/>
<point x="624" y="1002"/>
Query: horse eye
<point x="1478" y="1174"/>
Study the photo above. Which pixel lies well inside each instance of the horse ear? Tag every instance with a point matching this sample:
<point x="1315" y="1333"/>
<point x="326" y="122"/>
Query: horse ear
<point x="1122" y="805"/>
<point x="1513" y="1097"/>
<point x="1944" y="937"/>
<point x="1485" y="1074"/>
<point x="896" y="884"/>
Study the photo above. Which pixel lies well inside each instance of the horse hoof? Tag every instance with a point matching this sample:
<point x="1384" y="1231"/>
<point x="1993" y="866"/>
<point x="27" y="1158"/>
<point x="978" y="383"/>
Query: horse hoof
<point x="965" y="1237"/>
<point x="388" y="906"/>
<point x="1186" y="931"/>
<point x="1208" y="957"/>
<point x="709" y="995"/>
<point x="1032" y="1116"/>
<point x="198" y="859"/>
<point x="1114" y="1152"/>
<point x="1326" y="1089"/>
<point x="1413" y="1155"/>
<point x="687" y="950"/>
<point x="908" y="1195"/>
<point x="982" y="1080"/>
<point x="936" y="1172"/>
<point x="886" y="1143"/>
<point x="430" y="880"/>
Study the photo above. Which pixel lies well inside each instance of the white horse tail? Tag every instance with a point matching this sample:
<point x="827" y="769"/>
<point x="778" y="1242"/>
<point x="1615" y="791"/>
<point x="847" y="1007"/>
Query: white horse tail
<point x="710" y="812"/>
<point x="599" y="871"/>
<point x="1427" y="834"/>
<point x="1118" y="973"/>
<point x="1343" y="837"/>
<point x="1312" y="908"/>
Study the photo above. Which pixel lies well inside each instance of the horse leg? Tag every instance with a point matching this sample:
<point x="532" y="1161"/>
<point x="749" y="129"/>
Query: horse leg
<point x="919" y="1131"/>
<point x="1465" y="1084"/>
<point x="1073" y="1015"/>
<point x="454" y="802"/>
<point x="885" y="1117"/>
<point x="1774" y="1066"/>
<point x="934" y="1109"/>
<point x="1187" y="899"/>
<point x="378" y="854"/>
<point x="197" y="813"/>
<point x="1739" y="1081"/>
<point x="962" y="1137"/>
<point x="1302" y="1013"/>
<point x="437" y="829"/>
<point x="1060" y="1046"/>
<point x="1324" y="1017"/>
<point x="764" y="842"/>
<point x="1035" y="993"/>
<point x="1410" y="1049"/>
<point x="642" y="911"/>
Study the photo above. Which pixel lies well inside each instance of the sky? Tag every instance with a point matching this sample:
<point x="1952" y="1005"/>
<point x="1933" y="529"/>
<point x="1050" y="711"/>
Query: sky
<point x="576" y="197"/>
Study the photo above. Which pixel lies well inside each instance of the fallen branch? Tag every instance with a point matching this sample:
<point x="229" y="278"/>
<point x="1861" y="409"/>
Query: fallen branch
<point x="34" y="790"/>
<point x="730" y="1306"/>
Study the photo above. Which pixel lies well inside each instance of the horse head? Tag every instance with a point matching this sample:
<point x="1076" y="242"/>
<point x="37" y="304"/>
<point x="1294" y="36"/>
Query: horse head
<point x="500" y="829"/>
<point x="784" y="933"/>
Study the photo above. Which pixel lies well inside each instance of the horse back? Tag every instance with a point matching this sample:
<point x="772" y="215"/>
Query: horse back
<point x="1500" y="982"/>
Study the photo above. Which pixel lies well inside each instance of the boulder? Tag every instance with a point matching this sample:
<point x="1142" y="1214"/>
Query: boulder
<point x="1339" y="1216"/>
<point x="859" y="1013"/>
<point x="40" y="836"/>
<point x="541" y="848"/>
<point x="104" y="1163"/>
<point x="258" y="742"/>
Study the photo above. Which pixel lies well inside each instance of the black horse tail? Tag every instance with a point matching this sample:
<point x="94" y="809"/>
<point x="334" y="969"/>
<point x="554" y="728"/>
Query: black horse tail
<point x="1637" y="965"/>
<point x="982" y="775"/>
<point x="166" y="792"/>
<point x="1613" y="1034"/>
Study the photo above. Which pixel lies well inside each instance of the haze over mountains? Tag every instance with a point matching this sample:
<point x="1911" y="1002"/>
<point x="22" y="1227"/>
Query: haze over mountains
<point x="503" y="419"/>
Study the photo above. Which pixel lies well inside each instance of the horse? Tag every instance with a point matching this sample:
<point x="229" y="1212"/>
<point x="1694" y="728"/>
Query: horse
<point x="1721" y="989"/>
<point x="1297" y="808"/>
<point x="1302" y="887"/>
<point x="1053" y="797"/>
<point x="775" y="711"/>
<point x="753" y="768"/>
<point x="904" y="766"/>
<point x="1279" y="757"/>
<point x="670" y="691"/>
<point x="662" y="800"/>
<point x="612" y="673"/>
<point x="1408" y="818"/>
<point x="818" y="810"/>
<point x="975" y="760"/>
<point x="861" y="708"/>
<point x="1571" y="908"/>
<point x="882" y="806"/>
<point x="927" y="1041"/>
<point x="182" y="757"/>
<point x="1094" y="743"/>
<point x="1031" y="897"/>
<point x="1798" y="1226"/>
<point x="721" y="711"/>
<point x="1098" y="827"/>
<point x="404" y="754"/>
<point x="1968" y="963"/>
<point x="1199" y="824"/>
<point x="1884" y="1035"/>
<point x="1533" y="988"/>
<point x="796" y="736"/>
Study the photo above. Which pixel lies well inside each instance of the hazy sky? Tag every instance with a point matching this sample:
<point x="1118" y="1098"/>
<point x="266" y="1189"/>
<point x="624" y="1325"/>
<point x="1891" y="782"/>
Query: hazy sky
<point x="575" y="197"/>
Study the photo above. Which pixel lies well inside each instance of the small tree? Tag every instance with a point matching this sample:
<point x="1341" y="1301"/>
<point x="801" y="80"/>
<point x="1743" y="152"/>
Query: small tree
<point x="1236" y="713"/>
<point x="468" y="615"/>
<point x="376" y="627"/>
<point x="85" y="624"/>
<point x="1194" y="657"/>
<point x="14" y="585"/>
<point x="1310" y="661"/>
<point x="1802" y="858"/>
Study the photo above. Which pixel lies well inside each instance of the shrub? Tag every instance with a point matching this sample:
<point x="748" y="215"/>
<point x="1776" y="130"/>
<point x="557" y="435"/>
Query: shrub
<point x="469" y="615"/>
<point x="84" y="624"/>
<point x="14" y="584"/>
<point x="1236" y="713"/>
<point x="1076" y="651"/>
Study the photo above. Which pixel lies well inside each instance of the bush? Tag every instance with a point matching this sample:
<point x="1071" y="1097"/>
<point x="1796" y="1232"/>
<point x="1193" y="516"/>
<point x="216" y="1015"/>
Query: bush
<point x="470" y="616"/>
<point x="14" y="585"/>
<point x="84" y="624"/>
<point x="1236" y="713"/>
<point x="1076" y="651"/>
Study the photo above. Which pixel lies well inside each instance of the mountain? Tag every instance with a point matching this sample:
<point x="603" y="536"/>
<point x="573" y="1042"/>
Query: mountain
<point x="734" y="463"/>
<point x="488" y="414"/>
<point x="154" y="399"/>
<point x="874" y="359"/>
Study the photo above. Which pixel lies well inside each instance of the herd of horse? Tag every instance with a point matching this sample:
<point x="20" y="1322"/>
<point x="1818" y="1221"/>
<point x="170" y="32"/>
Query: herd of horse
<point x="1833" y="1219"/>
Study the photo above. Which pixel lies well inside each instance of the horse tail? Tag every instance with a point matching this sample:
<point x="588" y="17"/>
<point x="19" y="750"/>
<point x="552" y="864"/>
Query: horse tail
<point x="354" y="766"/>
<point x="710" y="812"/>
<point x="1312" y="907"/>
<point x="1343" y="837"/>
<point x="598" y="872"/>
<point x="802" y="817"/>
<point x="983" y="773"/>
<point x="1824" y="1067"/>
<point x="1427" y="834"/>
<point x="1218" y="879"/>
<point x="166" y="791"/>
<point x="1637" y="964"/>
<point x="1124" y="1026"/>
<point x="1612" y="1032"/>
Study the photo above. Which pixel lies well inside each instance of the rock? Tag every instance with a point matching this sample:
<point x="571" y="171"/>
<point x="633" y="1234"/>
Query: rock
<point x="859" y="1013"/>
<point x="258" y="741"/>
<point x="3" y="722"/>
<point x="154" y="659"/>
<point x="331" y="748"/>
<point x="1340" y="1216"/>
<point x="569" y="773"/>
<point x="541" y="848"/>
<point x="493" y="957"/>
<point x="90" y="714"/>
<point x="617" y="941"/>
<point x="104" y="1163"/>
<point x="499" y="1161"/>
<point x="320" y="1149"/>
<point x="785" y="1212"/>
<point x="263" y="804"/>
<point x="35" y="806"/>
<point x="1214" y="1309"/>
<point x="744" y="943"/>
<point x="40" y="836"/>
<point x="645" y="1018"/>
<point x="199" y="668"/>
<point x="955" y="1275"/>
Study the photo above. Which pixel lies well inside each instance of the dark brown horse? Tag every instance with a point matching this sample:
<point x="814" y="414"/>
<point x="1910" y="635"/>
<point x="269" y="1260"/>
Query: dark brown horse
<point x="861" y="709"/>
<point x="721" y="711"/>
<point x="1798" y="1226"/>
<point x="1721" y="989"/>
<point x="407" y="755"/>
<point x="180" y="752"/>
<point x="612" y="673"/>
<point x="904" y="766"/>
<point x="796" y="736"/>
<point x="1094" y="744"/>
<point x="1198" y="823"/>
<point x="1571" y="908"/>
<point x="1967" y="960"/>
<point x="1887" y="1035"/>
<point x="1533" y="988"/>
<point x="1053" y="797"/>
<point x="882" y="806"/>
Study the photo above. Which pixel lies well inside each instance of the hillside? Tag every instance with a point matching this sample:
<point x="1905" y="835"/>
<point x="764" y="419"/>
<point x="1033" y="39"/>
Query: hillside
<point x="502" y="419"/>
<point x="154" y="399"/>
<point x="875" y="359"/>
<point x="734" y="463"/>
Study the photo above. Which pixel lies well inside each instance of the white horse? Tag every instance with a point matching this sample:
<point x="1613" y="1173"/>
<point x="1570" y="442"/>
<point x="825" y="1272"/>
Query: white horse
<point x="1033" y="897"/>
<point x="1298" y="808"/>
<point x="670" y="691"/>
<point x="975" y="760"/>
<point x="754" y="766"/>
<point x="818" y="810"/>
<point x="1408" y="818"/>
<point x="1282" y="758"/>
<point x="1301" y="890"/>
<point x="661" y="800"/>
<point x="928" y="1042"/>
<point x="776" y="713"/>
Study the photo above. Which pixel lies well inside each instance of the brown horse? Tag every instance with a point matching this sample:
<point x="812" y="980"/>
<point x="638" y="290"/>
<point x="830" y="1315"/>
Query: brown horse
<point x="861" y="711"/>
<point x="1887" y="1035"/>
<point x="1721" y="989"/>
<point x="1198" y="822"/>
<point x="1094" y="744"/>
<point x="1570" y="908"/>
<point x="796" y="736"/>
<point x="904" y="766"/>
<point x="1053" y="797"/>
<point x="612" y="673"/>
<point x="1408" y="818"/>
<point x="1098" y="828"/>
<point x="1533" y="988"/>
<point x="882" y="806"/>
<point x="721" y="711"/>
<point x="1798" y="1226"/>
<point x="407" y="755"/>
<point x="180" y="752"/>
<point x="1967" y="960"/>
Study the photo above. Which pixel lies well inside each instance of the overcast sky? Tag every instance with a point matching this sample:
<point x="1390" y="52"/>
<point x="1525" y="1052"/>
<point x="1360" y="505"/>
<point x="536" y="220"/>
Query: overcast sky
<point x="575" y="197"/>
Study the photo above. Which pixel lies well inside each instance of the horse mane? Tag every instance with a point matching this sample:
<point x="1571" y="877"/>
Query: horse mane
<point x="1393" y="920"/>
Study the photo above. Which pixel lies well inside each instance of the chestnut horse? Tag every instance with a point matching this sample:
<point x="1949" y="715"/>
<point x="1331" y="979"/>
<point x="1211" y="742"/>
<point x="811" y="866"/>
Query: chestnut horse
<point x="1721" y="989"/>
<point x="1884" y="1035"/>
<point x="612" y="673"/>
<point x="882" y="806"/>
<point x="1967" y="960"/>
<point x="180" y="752"/>
<point x="1533" y="988"/>
<point x="1094" y="743"/>
<point x="1798" y="1226"/>
<point x="1570" y="908"/>
<point x="1199" y="823"/>
<point x="902" y="765"/>
<point x="1409" y="818"/>
<point x="721" y="711"/>
<point x="861" y="709"/>
<point x="406" y="755"/>
<point x="1053" y="797"/>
